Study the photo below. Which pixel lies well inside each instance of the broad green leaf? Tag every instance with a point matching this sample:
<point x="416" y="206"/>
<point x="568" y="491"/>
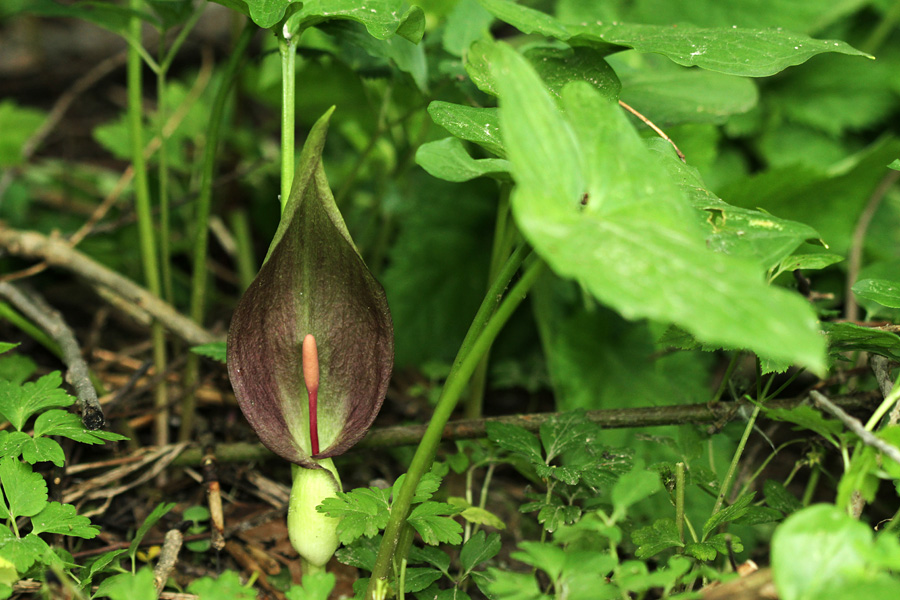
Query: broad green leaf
<point x="733" y="51"/>
<point x="110" y="16"/>
<point x="21" y="552"/>
<point x="314" y="586"/>
<point x="467" y="22"/>
<point x="434" y="523"/>
<point x="817" y="549"/>
<point x="565" y="432"/>
<point x="63" y="519"/>
<point x="25" y="490"/>
<point x="361" y="553"/>
<point x="11" y="444"/>
<point x="18" y="124"/>
<point x="380" y="17"/>
<point x="631" y="488"/>
<point x="42" y="449"/>
<point x="653" y="539"/>
<point x="479" y="125"/>
<point x="706" y="550"/>
<point x="553" y="512"/>
<point x="432" y="556"/>
<point x="669" y="96"/>
<point x="508" y="585"/>
<point x="7" y="346"/>
<point x="480" y="548"/>
<point x="806" y="16"/>
<point x="811" y="262"/>
<point x="475" y="514"/>
<point x="729" y="513"/>
<point x="128" y="586"/>
<point x="882" y="291"/>
<point x="406" y="55"/>
<point x="515" y="439"/>
<point x="558" y="67"/>
<point x="18" y="403"/>
<point x="16" y="368"/>
<point x="447" y="159"/>
<point x="848" y="337"/>
<point x="860" y="478"/>
<point x="599" y="208"/>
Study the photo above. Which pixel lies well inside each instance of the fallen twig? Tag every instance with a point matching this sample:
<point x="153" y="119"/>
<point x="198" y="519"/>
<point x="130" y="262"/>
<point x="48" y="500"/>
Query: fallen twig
<point x="168" y="557"/>
<point x="33" y="306"/>
<point x="58" y="253"/>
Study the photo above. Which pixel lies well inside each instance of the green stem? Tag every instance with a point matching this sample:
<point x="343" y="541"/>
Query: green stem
<point x="146" y="234"/>
<point x="732" y="468"/>
<point x="484" y="329"/>
<point x="201" y="217"/>
<point x="679" y="500"/>
<point x="165" y="247"/>
<point x="499" y="251"/>
<point x="288" y="49"/>
<point x="726" y="378"/>
<point x="810" y="486"/>
<point x="246" y="260"/>
<point x="881" y="32"/>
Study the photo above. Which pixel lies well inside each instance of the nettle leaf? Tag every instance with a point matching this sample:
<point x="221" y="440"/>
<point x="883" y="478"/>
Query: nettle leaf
<point x="447" y="159"/>
<point x="811" y="262"/>
<point x="806" y="417"/>
<point x="850" y="337"/>
<point x="653" y="539"/>
<point x="515" y="439"/>
<point x="475" y="514"/>
<point x="600" y="209"/>
<point x="313" y="282"/>
<point x="18" y="403"/>
<point x="730" y="513"/>
<point x="419" y="578"/>
<point x="473" y="124"/>
<point x="361" y="553"/>
<point x="707" y="550"/>
<point x="565" y="432"/>
<point x="631" y="488"/>
<point x="63" y="519"/>
<point x="882" y="291"/>
<point x="25" y="490"/>
<point x="779" y="498"/>
<point x="363" y="512"/>
<point x="552" y="512"/>
<point x="431" y="556"/>
<point x="434" y="523"/>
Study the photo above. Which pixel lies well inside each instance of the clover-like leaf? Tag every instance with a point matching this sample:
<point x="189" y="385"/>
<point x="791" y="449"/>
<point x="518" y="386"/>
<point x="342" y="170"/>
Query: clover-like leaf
<point x="313" y="283"/>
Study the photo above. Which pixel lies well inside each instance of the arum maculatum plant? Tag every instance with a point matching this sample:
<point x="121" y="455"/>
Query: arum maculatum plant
<point x="310" y="349"/>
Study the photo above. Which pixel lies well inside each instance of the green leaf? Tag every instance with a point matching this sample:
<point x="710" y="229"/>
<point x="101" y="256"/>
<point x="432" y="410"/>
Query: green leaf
<point x="213" y="350"/>
<point x="849" y="337"/>
<point x="40" y="449"/>
<point x="25" y="490"/>
<point x="510" y="586"/>
<point x="63" y="519"/>
<point x="11" y="444"/>
<point x="475" y="514"/>
<point x="480" y="548"/>
<point x="447" y="159"/>
<point x="560" y="66"/>
<point x="110" y="16"/>
<point x="380" y="17"/>
<point x="566" y="431"/>
<point x="419" y="578"/>
<point x="779" y="498"/>
<point x="817" y="549"/>
<point x="7" y="346"/>
<point x="515" y="439"/>
<point x="433" y="556"/>
<point x="631" y="488"/>
<point x="432" y="521"/>
<point x="526" y="20"/>
<point x="552" y="512"/>
<point x="22" y="552"/>
<point x="653" y="539"/>
<point x="467" y="22"/>
<point x="315" y="586"/>
<point x="363" y="512"/>
<point x="895" y="164"/>
<point x="706" y="550"/>
<point x="810" y="262"/>
<point x="808" y="418"/>
<point x="18" y="403"/>
<point x="128" y="586"/>
<point x="479" y="125"/>
<point x="669" y="96"/>
<point x="733" y="51"/>
<point x="882" y="291"/>
<point x="152" y="519"/>
<point x="598" y="208"/>
<point x="725" y="515"/>
<point x="226" y="585"/>
<point x="66" y="424"/>
<point x="18" y="124"/>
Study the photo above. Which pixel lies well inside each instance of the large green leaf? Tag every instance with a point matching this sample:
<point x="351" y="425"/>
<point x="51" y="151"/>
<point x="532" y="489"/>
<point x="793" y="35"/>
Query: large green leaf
<point x="479" y="125"/>
<point x="733" y="50"/>
<point x="447" y="159"/>
<point x="600" y="209"/>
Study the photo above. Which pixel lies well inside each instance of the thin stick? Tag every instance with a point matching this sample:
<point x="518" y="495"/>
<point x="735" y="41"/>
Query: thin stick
<point x="854" y="261"/>
<point x="653" y="126"/>
<point x="854" y="425"/>
<point x="57" y="252"/>
<point x="168" y="557"/>
<point x="33" y="306"/>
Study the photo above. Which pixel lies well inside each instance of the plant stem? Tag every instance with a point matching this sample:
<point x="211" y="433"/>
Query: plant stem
<point x="287" y="46"/>
<point x="246" y="261"/>
<point x="732" y="468"/>
<point x="484" y="329"/>
<point x="201" y="219"/>
<point x="146" y="234"/>
<point x="499" y="251"/>
<point x="679" y="500"/>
